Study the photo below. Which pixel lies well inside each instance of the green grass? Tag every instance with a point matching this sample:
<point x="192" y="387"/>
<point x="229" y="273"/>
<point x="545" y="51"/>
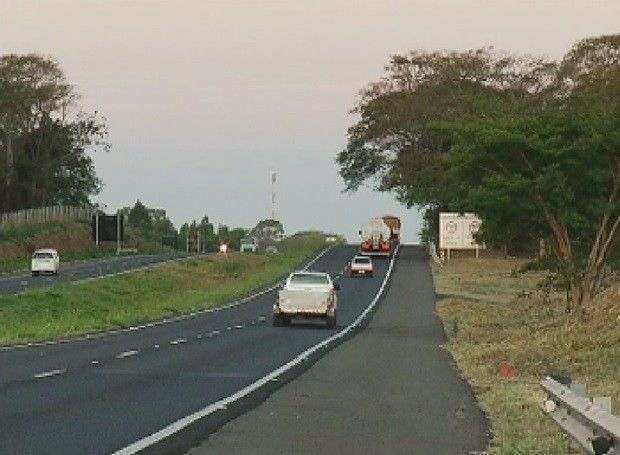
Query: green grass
<point x="491" y="324"/>
<point x="71" y="238"/>
<point x="116" y="302"/>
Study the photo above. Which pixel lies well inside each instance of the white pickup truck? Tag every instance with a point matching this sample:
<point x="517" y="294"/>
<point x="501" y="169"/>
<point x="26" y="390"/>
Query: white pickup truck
<point x="309" y="295"/>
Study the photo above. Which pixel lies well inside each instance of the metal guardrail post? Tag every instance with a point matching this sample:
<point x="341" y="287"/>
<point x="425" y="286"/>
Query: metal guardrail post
<point x="588" y="421"/>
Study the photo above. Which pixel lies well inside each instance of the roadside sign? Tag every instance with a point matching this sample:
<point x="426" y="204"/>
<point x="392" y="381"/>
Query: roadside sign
<point x="457" y="231"/>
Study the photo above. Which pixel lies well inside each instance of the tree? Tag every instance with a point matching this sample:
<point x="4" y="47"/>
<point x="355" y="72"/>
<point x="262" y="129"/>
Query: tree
<point x="209" y="238"/>
<point x="139" y="218"/>
<point x="532" y="146"/>
<point x="43" y="150"/>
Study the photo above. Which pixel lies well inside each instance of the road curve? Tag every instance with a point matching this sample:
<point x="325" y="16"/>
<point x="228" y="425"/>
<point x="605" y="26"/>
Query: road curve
<point x="100" y="395"/>
<point x="81" y="270"/>
<point x="390" y="390"/>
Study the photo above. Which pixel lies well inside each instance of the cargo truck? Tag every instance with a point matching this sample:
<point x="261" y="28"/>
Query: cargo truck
<point x="380" y="236"/>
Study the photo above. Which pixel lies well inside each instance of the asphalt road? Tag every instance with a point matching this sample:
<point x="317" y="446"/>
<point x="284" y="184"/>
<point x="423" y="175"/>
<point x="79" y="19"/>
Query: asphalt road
<point x="78" y="271"/>
<point x="390" y="390"/>
<point x="99" y="395"/>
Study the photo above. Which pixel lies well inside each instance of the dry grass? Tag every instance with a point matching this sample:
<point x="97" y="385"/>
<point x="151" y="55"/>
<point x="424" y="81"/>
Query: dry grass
<point x="492" y="323"/>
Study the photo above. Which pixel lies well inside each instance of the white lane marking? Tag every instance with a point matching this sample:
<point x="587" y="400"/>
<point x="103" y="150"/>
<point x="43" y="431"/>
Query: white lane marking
<point x="94" y="362"/>
<point x="199" y="336"/>
<point x="261" y="319"/>
<point x="156" y="346"/>
<point x="97" y="335"/>
<point x="216" y="332"/>
<point x="239" y="326"/>
<point x="178" y="341"/>
<point x="228" y="328"/>
<point x="47" y="374"/>
<point x="130" y="353"/>
<point x="177" y="426"/>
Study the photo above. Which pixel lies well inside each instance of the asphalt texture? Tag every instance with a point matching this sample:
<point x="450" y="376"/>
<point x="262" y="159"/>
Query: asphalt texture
<point x="79" y="270"/>
<point x="391" y="389"/>
<point x="100" y="394"/>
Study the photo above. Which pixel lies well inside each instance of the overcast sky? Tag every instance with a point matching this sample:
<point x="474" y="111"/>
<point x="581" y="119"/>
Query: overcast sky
<point x="204" y="97"/>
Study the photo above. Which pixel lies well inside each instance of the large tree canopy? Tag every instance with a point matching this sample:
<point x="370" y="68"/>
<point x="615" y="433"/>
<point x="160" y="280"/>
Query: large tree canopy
<point x="532" y="146"/>
<point x="44" y="150"/>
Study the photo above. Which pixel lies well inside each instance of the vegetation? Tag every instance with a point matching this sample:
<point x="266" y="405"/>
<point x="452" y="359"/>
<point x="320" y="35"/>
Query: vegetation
<point x="502" y="322"/>
<point x="72" y="239"/>
<point x="532" y="146"/>
<point x="44" y="146"/>
<point x="185" y="286"/>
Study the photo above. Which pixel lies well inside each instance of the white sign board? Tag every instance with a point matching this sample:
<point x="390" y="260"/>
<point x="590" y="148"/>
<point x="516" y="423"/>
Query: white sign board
<point x="457" y="230"/>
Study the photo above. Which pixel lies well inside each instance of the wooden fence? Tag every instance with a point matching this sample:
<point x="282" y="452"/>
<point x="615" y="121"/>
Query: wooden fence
<point x="41" y="214"/>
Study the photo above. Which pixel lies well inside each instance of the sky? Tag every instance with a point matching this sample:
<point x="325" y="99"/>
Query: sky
<point x="204" y="98"/>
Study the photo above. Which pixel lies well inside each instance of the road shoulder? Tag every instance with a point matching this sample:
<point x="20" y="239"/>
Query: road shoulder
<point x="390" y="389"/>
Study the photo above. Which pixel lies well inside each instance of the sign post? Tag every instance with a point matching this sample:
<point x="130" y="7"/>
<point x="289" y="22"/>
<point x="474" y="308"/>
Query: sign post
<point x="118" y="232"/>
<point x="97" y="228"/>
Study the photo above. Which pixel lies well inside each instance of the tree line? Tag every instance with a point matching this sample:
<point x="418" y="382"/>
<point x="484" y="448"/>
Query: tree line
<point x="531" y="145"/>
<point x="45" y="139"/>
<point x="154" y="226"/>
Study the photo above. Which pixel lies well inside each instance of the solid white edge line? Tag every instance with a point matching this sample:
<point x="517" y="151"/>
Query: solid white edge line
<point x="182" y="317"/>
<point x="273" y="376"/>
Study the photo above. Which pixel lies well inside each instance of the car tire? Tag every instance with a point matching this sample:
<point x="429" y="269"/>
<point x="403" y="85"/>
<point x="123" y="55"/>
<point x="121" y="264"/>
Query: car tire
<point x="286" y="321"/>
<point x="35" y="273"/>
<point x="331" y="321"/>
<point x="278" y="320"/>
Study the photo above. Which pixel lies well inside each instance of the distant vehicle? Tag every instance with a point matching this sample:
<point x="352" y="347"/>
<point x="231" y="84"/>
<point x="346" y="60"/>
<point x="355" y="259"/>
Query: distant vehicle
<point x="309" y="295"/>
<point x="45" y="261"/>
<point x="361" y="266"/>
<point x="248" y="244"/>
<point x="380" y="236"/>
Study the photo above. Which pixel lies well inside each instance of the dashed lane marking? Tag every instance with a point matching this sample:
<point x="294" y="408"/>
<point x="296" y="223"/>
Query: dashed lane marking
<point x="178" y="341"/>
<point x="47" y="374"/>
<point x="125" y="354"/>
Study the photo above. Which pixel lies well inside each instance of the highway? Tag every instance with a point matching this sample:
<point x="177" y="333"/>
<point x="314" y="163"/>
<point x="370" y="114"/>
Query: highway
<point x="100" y="395"/>
<point x="391" y="389"/>
<point x="79" y="271"/>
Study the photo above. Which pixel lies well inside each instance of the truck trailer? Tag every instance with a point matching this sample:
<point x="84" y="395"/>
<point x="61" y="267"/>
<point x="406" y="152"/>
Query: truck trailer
<point x="380" y="236"/>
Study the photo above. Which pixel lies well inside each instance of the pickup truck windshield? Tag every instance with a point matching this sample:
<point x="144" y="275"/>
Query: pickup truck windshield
<point x="42" y="256"/>
<point x="302" y="279"/>
<point x="362" y="260"/>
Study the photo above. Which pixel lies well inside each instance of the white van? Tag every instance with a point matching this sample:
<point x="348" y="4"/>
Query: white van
<point x="45" y="261"/>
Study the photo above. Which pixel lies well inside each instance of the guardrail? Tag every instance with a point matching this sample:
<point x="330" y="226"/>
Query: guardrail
<point x="588" y="421"/>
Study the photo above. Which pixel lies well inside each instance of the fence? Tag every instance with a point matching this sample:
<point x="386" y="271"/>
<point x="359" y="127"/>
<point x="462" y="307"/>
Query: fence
<point x="57" y="212"/>
<point x="588" y="421"/>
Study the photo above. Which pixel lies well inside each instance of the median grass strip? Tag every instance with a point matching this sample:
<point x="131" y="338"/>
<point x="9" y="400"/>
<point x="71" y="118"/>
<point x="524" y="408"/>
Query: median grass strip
<point x="505" y="336"/>
<point x="125" y="300"/>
